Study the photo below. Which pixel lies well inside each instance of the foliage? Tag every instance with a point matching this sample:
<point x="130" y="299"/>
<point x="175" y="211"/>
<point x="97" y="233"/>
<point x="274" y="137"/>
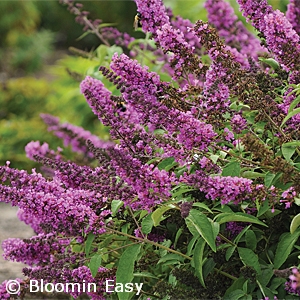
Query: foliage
<point x="196" y="196"/>
<point x="24" y="99"/>
<point x="23" y="48"/>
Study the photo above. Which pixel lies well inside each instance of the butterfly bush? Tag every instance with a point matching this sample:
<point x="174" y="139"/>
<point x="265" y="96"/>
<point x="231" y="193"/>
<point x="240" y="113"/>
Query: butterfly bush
<point x="199" y="182"/>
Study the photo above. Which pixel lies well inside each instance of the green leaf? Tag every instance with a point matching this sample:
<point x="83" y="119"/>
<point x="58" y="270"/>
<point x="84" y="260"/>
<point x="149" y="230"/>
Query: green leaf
<point x="115" y="206"/>
<point x="270" y="61"/>
<point x="101" y="52"/>
<point x="191" y="245"/>
<point x="171" y="256"/>
<point x="290" y="115"/>
<point x="202" y="205"/>
<point x="208" y="266"/>
<point x="250" y="238"/>
<point x="88" y="243"/>
<point x="238" y="217"/>
<point x="144" y="274"/>
<point x="214" y="158"/>
<point x="203" y="226"/>
<point x="288" y="149"/>
<point x="83" y="35"/>
<point x="252" y="175"/>
<point x="249" y="258"/>
<point x="167" y="164"/>
<point x="294" y="104"/>
<point x="159" y="132"/>
<point x="147" y="224"/>
<point x="269" y="179"/>
<point x="236" y="285"/>
<point x="215" y="227"/>
<point x="126" y="267"/>
<point x="237" y="294"/>
<point x="157" y="215"/>
<point x="76" y="248"/>
<point x="266" y="275"/>
<point x="230" y="250"/>
<point x="266" y="291"/>
<point x="295" y="223"/>
<point x="284" y="248"/>
<point x="94" y="264"/>
<point x="181" y="190"/>
<point x="198" y="259"/>
<point x="232" y="169"/>
<point x="245" y="286"/>
<point x="106" y="241"/>
<point x="192" y="228"/>
<point x="142" y="214"/>
<point x="102" y="25"/>
<point x="113" y="49"/>
<point x="239" y="236"/>
<point x="261" y="209"/>
<point x="178" y="234"/>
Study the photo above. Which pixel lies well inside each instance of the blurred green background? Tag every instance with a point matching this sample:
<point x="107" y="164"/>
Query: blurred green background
<point x="35" y="66"/>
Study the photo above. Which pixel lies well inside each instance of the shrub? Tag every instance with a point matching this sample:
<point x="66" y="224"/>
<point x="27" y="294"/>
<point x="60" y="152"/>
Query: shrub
<point x="198" y="195"/>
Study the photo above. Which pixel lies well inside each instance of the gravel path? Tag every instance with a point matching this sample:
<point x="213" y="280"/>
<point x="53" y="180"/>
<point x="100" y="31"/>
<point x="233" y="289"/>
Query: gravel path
<point x="11" y="227"/>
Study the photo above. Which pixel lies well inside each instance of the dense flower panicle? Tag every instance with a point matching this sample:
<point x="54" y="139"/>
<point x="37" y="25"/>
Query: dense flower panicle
<point x="35" y="148"/>
<point x="99" y="99"/>
<point x="227" y="189"/>
<point x="119" y="38"/>
<point x="185" y="208"/>
<point x="222" y="16"/>
<point x="98" y="96"/>
<point x="81" y="275"/>
<point x="135" y="174"/>
<point x="290" y="287"/>
<point x="103" y="180"/>
<point x="216" y="92"/>
<point x="84" y="273"/>
<point x="238" y="123"/>
<point x="255" y="11"/>
<point x="153" y="15"/>
<point x="4" y="295"/>
<point x="36" y="250"/>
<point x="282" y="40"/>
<point x="32" y="220"/>
<point x="183" y="26"/>
<point x="295" y="278"/>
<point x="74" y="135"/>
<point x="288" y="197"/>
<point x="233" y="229"/>
<point x="173" y="40"/>
<point x="178" y="40"/>
<point x="221" y="79"/>
<point x="293" y="14"/>
<point x="125" y="126"/>
<point x="39" y="197"/>
<point x="142" y="89"/>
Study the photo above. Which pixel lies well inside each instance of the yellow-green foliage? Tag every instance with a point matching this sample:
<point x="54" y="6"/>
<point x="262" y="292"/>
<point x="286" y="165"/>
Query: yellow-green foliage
<point x="22" y="100"/>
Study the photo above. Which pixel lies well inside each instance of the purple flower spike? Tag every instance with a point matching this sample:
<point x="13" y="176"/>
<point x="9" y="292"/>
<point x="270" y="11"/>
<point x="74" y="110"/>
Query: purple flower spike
<point x="153" y="15"/>
<point x="293" y="14"/>
<point x="282" y="40"/>
<point x="254" y="11"/>
<point x="222" y="16"/>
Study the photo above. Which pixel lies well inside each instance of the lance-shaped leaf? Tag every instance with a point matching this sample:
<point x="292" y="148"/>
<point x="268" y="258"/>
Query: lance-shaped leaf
<point x="126" y="267"/>
<point x="203" y="226"/>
